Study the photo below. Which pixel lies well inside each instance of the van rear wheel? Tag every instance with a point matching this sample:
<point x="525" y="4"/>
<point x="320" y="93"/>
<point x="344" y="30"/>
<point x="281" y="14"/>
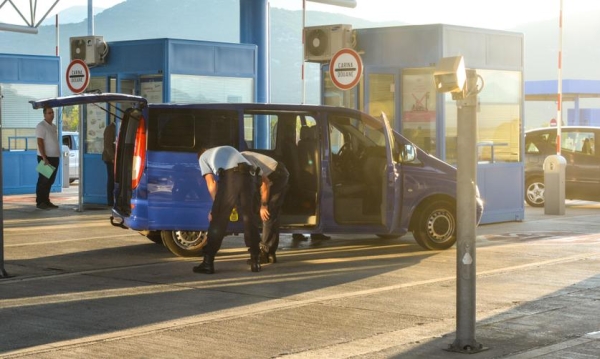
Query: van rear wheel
<point x="184" y="243"/>
<point x="435" y="227"/>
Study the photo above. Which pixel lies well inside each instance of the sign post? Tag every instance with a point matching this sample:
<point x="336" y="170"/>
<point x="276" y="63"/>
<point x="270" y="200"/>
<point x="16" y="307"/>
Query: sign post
<point x="78" y="76"/>
<point x="345" y="69"/>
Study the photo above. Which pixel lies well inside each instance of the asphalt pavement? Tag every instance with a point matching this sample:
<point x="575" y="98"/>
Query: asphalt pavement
<point x="78" y="287"/>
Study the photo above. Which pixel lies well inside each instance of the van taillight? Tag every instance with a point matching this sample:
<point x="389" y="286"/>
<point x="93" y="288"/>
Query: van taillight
<point x="139" y="154"/>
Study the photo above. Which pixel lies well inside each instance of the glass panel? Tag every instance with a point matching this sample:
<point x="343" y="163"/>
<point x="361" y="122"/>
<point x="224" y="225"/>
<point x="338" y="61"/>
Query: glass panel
<point x="336" y="97"/>
<point x="151" y="88"/>
<point x="19" y="118"/>
<point x="381" y="95"/>
<point x="419" y="108"/>
<point x="211" y="89"/>
<point x="498" y="118"/>
<point x="249" y="129"/>
<point x="578" y="142"/>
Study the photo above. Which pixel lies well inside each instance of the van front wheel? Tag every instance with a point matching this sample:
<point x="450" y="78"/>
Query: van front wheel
<point x="184" y="243"/>
<point x="435" y="227"/>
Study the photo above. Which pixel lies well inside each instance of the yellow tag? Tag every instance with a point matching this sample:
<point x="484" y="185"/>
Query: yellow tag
<point x="233" y="217"/>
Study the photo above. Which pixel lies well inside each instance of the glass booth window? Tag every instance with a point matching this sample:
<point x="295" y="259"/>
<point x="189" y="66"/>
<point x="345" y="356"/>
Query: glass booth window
<point x="419" y="108"/>
<point x="19" y="118"/>
<point x="498" y="118"/>
<point x="333" y="96"/>
<point x="211" y="89"/>
<point x="382" y="92"/>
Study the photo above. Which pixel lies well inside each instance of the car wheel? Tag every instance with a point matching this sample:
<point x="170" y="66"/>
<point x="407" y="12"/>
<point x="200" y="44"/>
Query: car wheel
<point x="534" y="192"/>
<point x="184" y="243"/>
<point x="435" y="226"/>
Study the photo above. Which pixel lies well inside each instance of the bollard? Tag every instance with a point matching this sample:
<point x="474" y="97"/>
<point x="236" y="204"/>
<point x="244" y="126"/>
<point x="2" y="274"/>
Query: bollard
<point x="554" y="184"/>
<point x="65" y="166"/>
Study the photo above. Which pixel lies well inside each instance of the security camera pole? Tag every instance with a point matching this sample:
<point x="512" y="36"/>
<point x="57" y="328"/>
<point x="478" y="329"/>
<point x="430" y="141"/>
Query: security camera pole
<point x="450" y="76"/>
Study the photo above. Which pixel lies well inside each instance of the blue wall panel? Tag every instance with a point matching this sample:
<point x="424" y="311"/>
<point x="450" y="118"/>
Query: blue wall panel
<point x="19" y="174"/>
<point x="29" y="69"/>
<point x="235" y="61"/>
<point x="18" y="167"/>
<point x="191" y="58"/>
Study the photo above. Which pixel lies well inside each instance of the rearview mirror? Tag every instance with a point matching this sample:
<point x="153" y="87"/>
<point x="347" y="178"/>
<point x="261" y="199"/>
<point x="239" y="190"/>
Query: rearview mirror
<point x="408" y="153"/>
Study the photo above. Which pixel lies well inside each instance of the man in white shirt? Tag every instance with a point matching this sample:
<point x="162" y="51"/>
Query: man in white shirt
<point x="48" y="151"/>
<point x="273" y="186"/>
<point x="235" y="185"/>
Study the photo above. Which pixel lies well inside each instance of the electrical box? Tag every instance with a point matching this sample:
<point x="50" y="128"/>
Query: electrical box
<point x="91" y="49"/>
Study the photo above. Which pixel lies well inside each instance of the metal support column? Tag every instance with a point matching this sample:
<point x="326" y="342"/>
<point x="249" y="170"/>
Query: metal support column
<point x="467" y="220"/>
<point x="254" y="29"/>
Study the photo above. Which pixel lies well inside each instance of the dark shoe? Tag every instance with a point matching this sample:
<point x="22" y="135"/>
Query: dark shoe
<point x="299" y="237"/>
<point x="266" y="257"/>
<point x="51" y="205"/>
<point x="207" y="266"/>
<point x="319" y="236"/>
<point x="255" y="263"/>
<point x="42" y="206"/>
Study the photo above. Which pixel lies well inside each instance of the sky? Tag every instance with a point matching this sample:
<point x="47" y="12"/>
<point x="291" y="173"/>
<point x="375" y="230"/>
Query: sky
<point x="499" y="14"/>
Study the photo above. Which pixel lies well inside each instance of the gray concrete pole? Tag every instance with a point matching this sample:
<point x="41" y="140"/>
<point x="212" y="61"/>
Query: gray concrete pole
<point x="467" y="220"/>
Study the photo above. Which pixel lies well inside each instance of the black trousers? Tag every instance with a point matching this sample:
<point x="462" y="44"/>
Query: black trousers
<point x="110" y="183"/>
<point x="270" y="228"/>
<point x="44" y="185"/>
<point x="234" y="187"/>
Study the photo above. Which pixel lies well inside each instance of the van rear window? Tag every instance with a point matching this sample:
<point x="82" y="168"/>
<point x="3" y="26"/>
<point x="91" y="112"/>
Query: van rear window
<point x="184" y="130"/>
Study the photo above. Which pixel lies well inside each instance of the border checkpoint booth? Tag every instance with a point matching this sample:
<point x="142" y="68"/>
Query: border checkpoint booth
<point x="162" y="70"/>
<point x="24" y="78"/>
<point x="399" y="63"/>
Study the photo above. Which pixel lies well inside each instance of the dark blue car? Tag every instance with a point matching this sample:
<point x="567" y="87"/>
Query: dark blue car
<point x="578" y="147"/>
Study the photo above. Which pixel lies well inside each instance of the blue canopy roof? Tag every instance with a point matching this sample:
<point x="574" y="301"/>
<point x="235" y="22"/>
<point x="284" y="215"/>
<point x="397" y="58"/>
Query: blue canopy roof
<point x="547" y="90"/>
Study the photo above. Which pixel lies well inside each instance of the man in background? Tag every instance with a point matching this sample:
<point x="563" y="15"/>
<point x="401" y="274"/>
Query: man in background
<point x="48" y="151"/>
<point x="108" y="157"/>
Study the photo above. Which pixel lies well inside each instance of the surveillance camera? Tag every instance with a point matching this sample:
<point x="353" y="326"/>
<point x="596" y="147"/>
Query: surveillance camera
<point x="450" y="74"/>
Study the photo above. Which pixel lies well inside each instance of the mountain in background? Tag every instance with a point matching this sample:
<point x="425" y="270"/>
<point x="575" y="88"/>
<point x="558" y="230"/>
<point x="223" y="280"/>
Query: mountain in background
<point x="71" y="15"/>
<point x="218" y="20"/>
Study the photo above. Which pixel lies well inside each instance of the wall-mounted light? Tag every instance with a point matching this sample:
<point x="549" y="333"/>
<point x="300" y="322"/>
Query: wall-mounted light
<point x="450" y="74"/>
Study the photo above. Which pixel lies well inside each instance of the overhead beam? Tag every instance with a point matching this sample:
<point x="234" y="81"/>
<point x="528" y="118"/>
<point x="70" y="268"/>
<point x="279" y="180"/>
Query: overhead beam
<point x="18" y="28"/>
<point x="343" y="3"/>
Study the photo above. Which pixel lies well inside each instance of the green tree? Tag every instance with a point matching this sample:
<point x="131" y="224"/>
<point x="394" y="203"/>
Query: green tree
<point x="70" y="118"/>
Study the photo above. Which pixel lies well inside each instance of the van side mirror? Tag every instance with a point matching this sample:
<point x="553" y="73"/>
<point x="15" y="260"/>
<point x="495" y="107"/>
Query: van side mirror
<point x="407" y="153"/>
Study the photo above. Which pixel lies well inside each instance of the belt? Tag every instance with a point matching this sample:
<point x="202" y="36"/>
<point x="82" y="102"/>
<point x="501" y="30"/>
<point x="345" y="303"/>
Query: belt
<point x="241" y="167"/>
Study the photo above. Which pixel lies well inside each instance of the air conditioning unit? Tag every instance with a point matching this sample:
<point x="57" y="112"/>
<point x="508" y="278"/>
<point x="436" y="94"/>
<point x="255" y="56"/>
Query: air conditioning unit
<point x="322" y="42"/>
<point x="91" y="49"/>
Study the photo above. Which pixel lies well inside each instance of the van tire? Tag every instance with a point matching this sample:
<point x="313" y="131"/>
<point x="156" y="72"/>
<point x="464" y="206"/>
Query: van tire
<point x="435" y="226"/>
<point x="184" y="243"/>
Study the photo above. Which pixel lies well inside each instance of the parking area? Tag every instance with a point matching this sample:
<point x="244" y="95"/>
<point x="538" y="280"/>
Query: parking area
<point x="82" y="288"/>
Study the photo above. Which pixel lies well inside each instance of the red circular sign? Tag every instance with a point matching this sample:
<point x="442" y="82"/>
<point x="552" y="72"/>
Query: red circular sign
<point x="78" y="76"/>
<point x="345" y="69"/>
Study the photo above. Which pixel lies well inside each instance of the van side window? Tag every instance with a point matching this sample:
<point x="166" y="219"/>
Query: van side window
<point x="176" y="131"/>
<point x="183" y="130"/>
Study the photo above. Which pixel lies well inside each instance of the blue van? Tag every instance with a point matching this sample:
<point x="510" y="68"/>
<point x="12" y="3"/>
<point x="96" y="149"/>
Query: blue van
<point x="349" y="172"/>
